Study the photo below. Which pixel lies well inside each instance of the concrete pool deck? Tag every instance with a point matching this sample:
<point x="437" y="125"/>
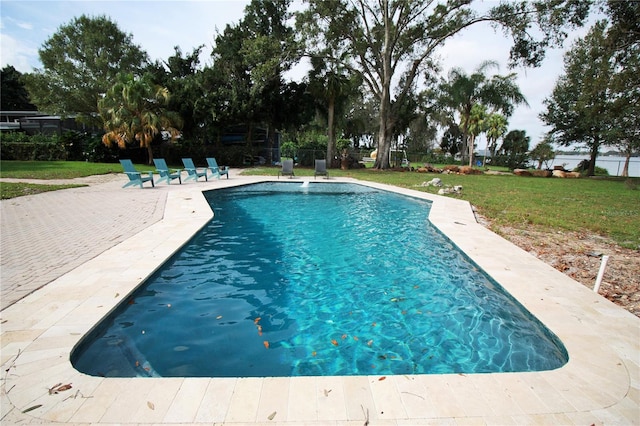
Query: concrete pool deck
<point x="599" y="385"/>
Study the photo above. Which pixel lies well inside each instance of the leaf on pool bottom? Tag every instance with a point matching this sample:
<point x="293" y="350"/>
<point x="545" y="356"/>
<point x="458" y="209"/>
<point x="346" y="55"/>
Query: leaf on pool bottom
<point x="334" y="342"/>
<point x="370" y="342"/>
<point x="266" y="344"/>
<point x="257" y="320"/>
<point x="314" y="353"/>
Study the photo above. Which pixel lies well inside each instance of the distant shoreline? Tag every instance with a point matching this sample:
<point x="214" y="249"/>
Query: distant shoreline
<point x="613" y="164"/>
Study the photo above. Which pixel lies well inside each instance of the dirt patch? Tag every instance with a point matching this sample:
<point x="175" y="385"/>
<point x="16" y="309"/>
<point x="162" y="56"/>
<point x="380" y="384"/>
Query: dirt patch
<point x="579" y="256"/>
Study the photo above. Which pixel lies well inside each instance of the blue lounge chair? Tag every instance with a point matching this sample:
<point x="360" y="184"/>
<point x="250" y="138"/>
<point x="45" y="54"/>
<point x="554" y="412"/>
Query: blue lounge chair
<point x="135" y="177"/>
<point x="216" y="171"/>
<point x="192" y="171"/>
<point x="321" y="169"/>
<point x="165" y="172"/>
<point x="287" y="169"/>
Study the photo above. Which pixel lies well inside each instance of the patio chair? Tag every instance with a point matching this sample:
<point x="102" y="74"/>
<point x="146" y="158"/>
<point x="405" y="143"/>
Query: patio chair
<point x="287" y="169"/>
<point x="165" y="172"/>
<point x="135" y="177"/>
<point x="216" y="170"/>
<point x="321" y="169"/>
<point x="192" y="171"/>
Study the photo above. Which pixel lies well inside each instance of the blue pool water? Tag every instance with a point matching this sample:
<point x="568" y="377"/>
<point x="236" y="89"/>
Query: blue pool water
<point x="329" y="279"/>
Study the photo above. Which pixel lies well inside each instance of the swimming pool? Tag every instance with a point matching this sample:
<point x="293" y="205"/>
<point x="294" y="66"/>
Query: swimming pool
<point x="329" y="279"/>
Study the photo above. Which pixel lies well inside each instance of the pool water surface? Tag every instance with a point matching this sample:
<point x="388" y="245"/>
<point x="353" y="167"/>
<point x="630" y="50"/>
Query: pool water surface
<point x="315" y="280"/>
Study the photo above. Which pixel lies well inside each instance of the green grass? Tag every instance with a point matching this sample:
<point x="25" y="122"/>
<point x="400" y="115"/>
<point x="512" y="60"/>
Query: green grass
<point x="19" y="189"/>
<point x="45" y="170"/>
<point x="55" y="169"/>
<point x="608" y="207"/>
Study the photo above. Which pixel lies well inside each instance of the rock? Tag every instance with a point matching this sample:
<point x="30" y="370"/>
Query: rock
<point x="541" y="173"/>
<point x="449" y="190"/>
<point x="434" y="182"/>
<point x="521" y="172"/>
<point x="468" y="170"/>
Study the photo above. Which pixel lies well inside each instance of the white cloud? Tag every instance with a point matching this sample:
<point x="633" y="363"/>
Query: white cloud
<point x="16" y="53"/>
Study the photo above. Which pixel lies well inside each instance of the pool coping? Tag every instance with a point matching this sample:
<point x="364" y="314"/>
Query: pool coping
<point x="600" y="384"/>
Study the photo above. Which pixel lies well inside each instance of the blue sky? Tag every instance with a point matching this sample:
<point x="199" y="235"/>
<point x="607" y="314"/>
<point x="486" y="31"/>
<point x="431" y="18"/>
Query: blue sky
<point x="158" y="26"/>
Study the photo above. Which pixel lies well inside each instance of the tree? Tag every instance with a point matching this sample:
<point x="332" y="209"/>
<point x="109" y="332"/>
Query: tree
<point x="333" y="86"/>
<point x="513" y="151"/>
<point x="543" y="152"/>
<point x="579" y="109"/>
<point x="496" y="125"/>
<point x="133" y="110"/>
<point x="475" y="125"/>
<point x="391" y="42"/>
<point x="251" y="58"/>
<point x="623" y="37"/>
<point x="462" y="92"/>
<point x="14" y="94"/>
<point x="179" y="74"/>
<point x="81" y="61"/>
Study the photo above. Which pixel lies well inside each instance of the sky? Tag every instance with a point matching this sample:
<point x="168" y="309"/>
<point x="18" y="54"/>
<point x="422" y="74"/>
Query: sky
<point x="158" y="26"/>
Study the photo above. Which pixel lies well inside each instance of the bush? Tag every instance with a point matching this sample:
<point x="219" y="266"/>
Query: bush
<point x="20" y="146"/>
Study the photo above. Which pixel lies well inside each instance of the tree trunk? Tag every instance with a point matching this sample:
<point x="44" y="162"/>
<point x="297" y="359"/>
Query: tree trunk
<point x="331" y="144"/>
<point x="386" y="124"/>
<point x="472" y="141"/>
<point x="149" y="154"/>
<point x="592" y="163"/>
<point x="625" y="169"/>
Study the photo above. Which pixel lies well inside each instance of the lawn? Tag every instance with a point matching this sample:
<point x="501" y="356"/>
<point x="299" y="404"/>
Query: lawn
<point x="608" y="207"/>
<point x="47" y="170"/>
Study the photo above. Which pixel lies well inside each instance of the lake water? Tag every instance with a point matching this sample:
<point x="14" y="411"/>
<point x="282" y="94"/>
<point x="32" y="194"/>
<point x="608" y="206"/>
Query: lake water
<point x="614" y="165"/>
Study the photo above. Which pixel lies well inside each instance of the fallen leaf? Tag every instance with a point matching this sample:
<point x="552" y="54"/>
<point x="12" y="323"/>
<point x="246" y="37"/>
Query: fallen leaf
<point x="314" y="353"/>
<point x="266" y="344"/>
<point x="373" y="324"/>
<point x="272" y="415"/>
<point x="52" y="388"/>
<point x="334" y="342"/>
<point x="326" y="392"/>
<point x="257" y="320"/>
<point x="32" y="408"/>
<point x="381" y="378"/>
<point x="355" y="338"/>
<point x="219" y="317"/>
<point x="344" y="336"/>
<point x="151" y="405"/>
<point x="59" y="388"/>
<point x="370" y="342"/>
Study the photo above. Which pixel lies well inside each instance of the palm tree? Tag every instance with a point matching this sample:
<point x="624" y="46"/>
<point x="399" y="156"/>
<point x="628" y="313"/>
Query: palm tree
<point x="496" y="128"/>
<point x="461" y="92"/>
<point x="133" y="110"/>
<point x="333" y="86"/>
<point x="475" y="125"/>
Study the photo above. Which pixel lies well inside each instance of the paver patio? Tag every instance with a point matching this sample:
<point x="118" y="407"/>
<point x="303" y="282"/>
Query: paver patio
<point x="599" y="385"/>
